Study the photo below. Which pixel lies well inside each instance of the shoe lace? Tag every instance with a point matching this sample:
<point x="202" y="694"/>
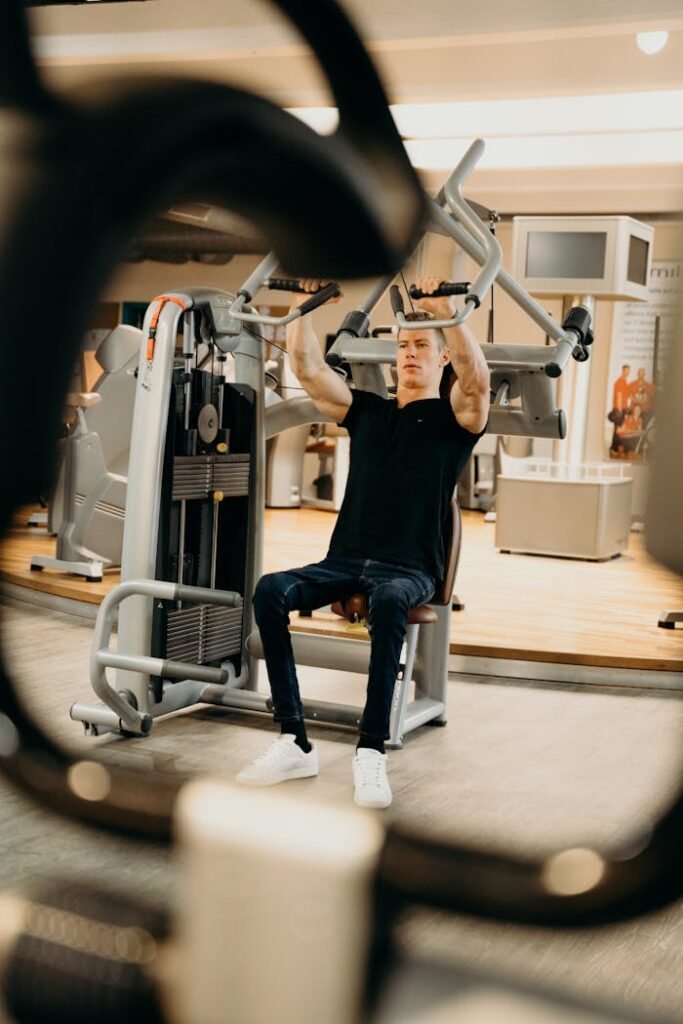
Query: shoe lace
<point x="371" y="770"/>
<point x="272" y="753"/>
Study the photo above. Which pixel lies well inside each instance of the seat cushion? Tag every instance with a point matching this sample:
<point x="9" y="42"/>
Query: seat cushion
<point x="356" y="607"/>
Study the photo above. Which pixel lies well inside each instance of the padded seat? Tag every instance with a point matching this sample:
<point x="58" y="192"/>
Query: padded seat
<point x="355" y="609"/>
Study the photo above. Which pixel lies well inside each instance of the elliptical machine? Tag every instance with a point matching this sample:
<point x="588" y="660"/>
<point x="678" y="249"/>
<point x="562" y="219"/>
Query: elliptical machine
<point x="88" y="503"/>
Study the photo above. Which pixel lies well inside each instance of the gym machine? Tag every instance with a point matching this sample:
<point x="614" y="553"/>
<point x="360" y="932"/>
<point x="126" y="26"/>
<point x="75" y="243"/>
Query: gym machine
<point x="154" y="676"/>
<point x="193" y="534"/>
<point x="88" y="502"/>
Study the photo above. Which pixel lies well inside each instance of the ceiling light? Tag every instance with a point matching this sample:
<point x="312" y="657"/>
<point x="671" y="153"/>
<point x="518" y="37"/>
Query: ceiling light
<point x="652" y="42"/>
<point x="660" y="110"/>
<point x="540" y="151"/>
<point x="560" y="131"/>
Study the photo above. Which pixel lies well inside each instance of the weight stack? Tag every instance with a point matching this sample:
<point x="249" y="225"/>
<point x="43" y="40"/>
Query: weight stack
<point x="204" y="516"/>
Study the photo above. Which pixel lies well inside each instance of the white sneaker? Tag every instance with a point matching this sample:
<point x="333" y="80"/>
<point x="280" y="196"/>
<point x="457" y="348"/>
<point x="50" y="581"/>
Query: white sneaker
<point x="371" y="785"/>
<point x="283" y="760"/>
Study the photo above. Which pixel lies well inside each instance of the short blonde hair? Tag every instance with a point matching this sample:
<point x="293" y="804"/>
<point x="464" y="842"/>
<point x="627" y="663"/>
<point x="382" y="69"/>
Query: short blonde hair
<point x="419" y="315"/>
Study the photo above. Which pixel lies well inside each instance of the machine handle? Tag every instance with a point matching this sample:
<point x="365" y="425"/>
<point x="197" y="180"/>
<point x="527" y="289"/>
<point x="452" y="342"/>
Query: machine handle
<point x="445" y="288"/>
<point x="564" y="350"/>
<point x="319" y="298"/>
<point x="396" y="299"/>
<point x="355" y="325"/>
<point x="288" y="284"/>
<point x="578" y="319"/>
<point x="578" y="336"/>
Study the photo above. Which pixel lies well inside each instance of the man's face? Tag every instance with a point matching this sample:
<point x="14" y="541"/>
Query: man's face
<point x="641" y="374"/>
<point x="625" y="372"/>
<point x="419" y="361"/>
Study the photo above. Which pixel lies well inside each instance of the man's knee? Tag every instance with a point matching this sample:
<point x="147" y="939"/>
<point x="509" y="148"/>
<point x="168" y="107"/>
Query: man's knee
<point x="270" y="591"/>
<point x="389" y="603"/>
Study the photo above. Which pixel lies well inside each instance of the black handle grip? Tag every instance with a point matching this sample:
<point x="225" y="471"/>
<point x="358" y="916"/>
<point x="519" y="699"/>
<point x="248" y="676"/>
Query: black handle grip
<point x="330" y="291"/>
<point x="288" y="284"/>
<point x="445" y="288"/>
<point x="396" y="300"/>
<point x="578" y="319"/>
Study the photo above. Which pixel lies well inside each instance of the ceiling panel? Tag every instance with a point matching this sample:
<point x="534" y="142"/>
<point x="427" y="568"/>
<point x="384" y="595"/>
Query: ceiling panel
<point x="257" y="23"/>
<point x="437" y="50"/>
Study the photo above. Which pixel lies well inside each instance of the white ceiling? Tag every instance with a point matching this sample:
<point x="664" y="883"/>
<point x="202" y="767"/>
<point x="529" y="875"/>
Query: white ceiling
<point x="434" y="50"/>
<point x="437" y="49"/>
<point x="259" y="23"/>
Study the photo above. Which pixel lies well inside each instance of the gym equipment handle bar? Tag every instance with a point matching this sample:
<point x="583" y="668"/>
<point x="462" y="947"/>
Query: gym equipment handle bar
<point x="445" y="288"/>
<point x="102" y="658"/>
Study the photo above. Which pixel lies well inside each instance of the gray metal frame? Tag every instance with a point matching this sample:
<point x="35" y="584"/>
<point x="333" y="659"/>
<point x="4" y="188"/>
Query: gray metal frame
<point x="120" y="713"/>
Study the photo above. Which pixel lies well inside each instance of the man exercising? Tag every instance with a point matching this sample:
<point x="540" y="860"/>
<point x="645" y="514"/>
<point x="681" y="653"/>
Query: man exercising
<point x="406" y="456"/>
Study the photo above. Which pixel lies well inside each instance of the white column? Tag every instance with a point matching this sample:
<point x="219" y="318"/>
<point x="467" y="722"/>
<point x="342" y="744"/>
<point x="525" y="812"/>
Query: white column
<point x="573" y="389"/>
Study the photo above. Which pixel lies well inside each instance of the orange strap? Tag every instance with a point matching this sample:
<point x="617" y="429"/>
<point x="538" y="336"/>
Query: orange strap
<point x="161" y="300"/>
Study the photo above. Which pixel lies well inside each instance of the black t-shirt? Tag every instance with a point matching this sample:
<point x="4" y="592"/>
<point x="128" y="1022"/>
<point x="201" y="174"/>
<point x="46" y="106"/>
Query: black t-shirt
<point x="404" y="466"/>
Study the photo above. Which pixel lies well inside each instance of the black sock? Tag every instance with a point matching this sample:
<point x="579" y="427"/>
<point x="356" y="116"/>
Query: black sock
<point x="296" y="727"/>
<point x="370" y="743"/>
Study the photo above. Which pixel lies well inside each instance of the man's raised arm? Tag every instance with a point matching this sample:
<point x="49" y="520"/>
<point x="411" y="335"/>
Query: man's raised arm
<point x="325" y="387"/>
<point x="470" y="395"/>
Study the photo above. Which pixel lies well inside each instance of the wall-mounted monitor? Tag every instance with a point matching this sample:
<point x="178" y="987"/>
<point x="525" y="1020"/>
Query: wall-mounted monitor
<point x="608" y="257"/>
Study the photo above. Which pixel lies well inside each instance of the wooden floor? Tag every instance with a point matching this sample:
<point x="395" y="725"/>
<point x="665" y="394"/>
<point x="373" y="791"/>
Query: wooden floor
<point x="531" y="608"/>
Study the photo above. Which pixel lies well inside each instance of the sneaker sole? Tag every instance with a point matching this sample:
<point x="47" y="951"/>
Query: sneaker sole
<point x="376" y="805"/>
<point x="299" y="773"/>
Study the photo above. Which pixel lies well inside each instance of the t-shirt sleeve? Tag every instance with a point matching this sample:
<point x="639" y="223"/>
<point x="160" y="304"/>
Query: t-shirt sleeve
<point x="466" y="436"/>
<point x="463" y="439"/>
<point x="361" y="402"/>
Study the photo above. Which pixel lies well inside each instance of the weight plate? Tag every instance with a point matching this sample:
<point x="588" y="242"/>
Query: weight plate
<point x="207" y="423"/>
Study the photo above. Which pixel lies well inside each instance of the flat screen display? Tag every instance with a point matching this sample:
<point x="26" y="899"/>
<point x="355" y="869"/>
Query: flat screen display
<point x="638" y="250"/>
<point x="566" y="254"/>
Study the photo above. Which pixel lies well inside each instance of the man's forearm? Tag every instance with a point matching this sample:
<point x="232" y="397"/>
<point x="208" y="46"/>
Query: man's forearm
<point x="467" y="359"/>
<point x="303" y="349"/>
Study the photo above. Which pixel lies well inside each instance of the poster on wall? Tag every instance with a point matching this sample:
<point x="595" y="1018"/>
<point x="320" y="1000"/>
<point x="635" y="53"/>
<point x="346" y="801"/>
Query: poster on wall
<point x="641" y="337"/>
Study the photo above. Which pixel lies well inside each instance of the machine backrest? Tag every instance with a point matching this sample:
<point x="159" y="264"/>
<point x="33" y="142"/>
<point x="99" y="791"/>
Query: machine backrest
<point x="112" y="419"/>
<point x="451" y="541"/>
<point x="118" y="348"/>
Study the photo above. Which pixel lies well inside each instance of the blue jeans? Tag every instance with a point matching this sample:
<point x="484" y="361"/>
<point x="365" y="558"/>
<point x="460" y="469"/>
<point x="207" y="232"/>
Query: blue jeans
<point x="391" y="591"/>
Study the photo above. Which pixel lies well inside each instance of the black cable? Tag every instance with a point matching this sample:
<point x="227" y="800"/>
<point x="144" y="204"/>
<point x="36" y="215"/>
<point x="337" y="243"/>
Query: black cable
<point x="402" y="278"/>
<point x="258" y="337"/>
<point x="491" y="337"/>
